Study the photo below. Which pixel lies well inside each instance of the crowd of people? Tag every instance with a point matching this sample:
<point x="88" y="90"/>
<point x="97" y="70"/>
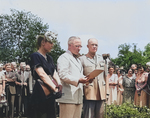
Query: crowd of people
<point x="32" y="90"/>
<point x="16" y="85"/>
<point x="131" y="87"/>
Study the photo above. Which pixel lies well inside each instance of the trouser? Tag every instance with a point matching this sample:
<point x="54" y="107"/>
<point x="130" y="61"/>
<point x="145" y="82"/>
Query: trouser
<point x="18" y="105"/>
<point x="70" y="110"/>
<point x="93" y="109"/>
<point x="25" y="105"/>
<point x="11" y="105"/>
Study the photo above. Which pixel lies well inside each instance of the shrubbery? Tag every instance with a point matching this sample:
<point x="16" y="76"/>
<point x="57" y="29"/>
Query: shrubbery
<point x="127" y="110"/>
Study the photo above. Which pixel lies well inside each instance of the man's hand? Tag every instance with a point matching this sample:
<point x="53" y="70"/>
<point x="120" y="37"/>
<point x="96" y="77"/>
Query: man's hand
<point x="10" y="80"/>
<point x="3" y="92"/>
<point x="31" y="91"/>
<point x="83" y="80"/>
<point x="91" y="80"/>
<point x="25" y="84"/>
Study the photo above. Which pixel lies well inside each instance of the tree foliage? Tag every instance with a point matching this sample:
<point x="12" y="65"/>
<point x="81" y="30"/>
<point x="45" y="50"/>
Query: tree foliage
<point x="18" y="33"/>
<point x="56" y="51"/>
<point x="146" y="53"/>
<point x="128" y="55"/>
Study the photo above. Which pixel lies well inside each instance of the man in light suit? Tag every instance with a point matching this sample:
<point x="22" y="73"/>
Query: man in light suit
<point x="71" y="74"/>
<point x="29" y="80"/>
<point x="95" y="92"/>
<point x="14" y="66"/>
<point x="19" y="87"/>
<point x="22" y="85"/>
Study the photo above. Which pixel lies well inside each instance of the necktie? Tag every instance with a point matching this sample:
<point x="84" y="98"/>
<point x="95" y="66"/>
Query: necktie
<point x="76" y="56"/>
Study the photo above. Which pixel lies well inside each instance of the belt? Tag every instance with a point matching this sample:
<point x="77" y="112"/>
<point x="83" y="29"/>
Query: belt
<point x="128" y="88"/>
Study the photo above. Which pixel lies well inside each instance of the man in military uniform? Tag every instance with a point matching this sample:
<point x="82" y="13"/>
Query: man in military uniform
<point x="96" y="92"/>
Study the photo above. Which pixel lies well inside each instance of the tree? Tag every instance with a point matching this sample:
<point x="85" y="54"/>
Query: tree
<point x="146" y="53"/>
<point x="56" y="51"/>
<point x="126" y="57"/>
<point x="18" y="32"/>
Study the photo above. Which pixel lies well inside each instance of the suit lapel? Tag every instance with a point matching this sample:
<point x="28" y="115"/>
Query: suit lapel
<point x="26" y="76"/>
<point x="75" y="61"/>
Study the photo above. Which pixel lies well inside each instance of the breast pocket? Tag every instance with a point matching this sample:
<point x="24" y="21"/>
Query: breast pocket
<point x="88" y="69"/>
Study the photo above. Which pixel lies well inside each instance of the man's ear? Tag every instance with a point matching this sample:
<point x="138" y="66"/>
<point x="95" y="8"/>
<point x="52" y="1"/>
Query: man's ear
<point x="87" y="46"/>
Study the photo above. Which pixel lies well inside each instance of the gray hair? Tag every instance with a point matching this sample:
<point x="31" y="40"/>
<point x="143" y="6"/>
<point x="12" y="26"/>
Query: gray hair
<point x="13" y="63"/>
<point x="22" y="64"/>
<point x="72" y="38"/>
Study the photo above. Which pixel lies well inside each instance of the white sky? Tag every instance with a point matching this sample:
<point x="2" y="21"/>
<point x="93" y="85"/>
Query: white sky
<point x="112" y="22"/>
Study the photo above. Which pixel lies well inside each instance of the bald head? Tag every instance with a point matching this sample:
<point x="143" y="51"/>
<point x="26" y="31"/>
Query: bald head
<point x="91" y="40"/>
<point x="92" y="45"/>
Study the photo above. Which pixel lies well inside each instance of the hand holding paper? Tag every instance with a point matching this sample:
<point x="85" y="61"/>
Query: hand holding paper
<point x="83" y="80"/>
<point x="93" y="74"/>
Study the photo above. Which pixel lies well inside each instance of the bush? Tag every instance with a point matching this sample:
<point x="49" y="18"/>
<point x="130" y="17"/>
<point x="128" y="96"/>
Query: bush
<point x="127" y="110"/>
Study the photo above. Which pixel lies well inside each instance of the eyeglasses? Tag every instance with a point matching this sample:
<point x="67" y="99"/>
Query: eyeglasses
<point x="78" y="46"/>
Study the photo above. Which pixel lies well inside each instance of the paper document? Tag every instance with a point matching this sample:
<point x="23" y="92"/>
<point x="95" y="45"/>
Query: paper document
<point x="95" y="73"/>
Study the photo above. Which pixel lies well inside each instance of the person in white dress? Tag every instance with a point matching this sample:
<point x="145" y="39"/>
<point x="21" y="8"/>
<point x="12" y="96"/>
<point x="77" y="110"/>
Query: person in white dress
<point x="113" y="79"/>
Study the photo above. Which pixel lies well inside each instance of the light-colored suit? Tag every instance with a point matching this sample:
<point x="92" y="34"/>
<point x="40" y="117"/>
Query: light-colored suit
<point x="97" y="90"/>
<point x="22" y="90"/>
<point x="70" y="71"/>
